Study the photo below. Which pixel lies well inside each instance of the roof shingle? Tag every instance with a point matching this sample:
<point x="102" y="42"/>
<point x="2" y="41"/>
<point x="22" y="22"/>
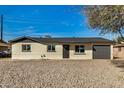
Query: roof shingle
<point x="66" y="40"/>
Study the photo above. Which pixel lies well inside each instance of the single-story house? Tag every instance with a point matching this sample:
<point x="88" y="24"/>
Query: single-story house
<point x="118" y="51"/>
<point x="61" y="48"/>
<point x="3" y="46"/>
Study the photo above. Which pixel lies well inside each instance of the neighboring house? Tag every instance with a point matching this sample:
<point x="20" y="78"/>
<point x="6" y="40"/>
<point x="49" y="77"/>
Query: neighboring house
<point x="118" y="51"/>
<point x="3" y="46"/>
<point x="61" y="48"/>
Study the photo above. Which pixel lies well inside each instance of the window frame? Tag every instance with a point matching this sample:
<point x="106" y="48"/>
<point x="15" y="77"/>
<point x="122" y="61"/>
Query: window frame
<point x="52" y="48"/>
<point x="79" y="49"/>
<point x="26" y="46"/>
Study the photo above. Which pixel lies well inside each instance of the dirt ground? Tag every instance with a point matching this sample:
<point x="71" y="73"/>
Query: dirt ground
<point x="60" y="73"/>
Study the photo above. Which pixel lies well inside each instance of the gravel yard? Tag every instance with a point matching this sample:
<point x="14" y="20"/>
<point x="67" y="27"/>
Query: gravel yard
<point x="60" y="73"/>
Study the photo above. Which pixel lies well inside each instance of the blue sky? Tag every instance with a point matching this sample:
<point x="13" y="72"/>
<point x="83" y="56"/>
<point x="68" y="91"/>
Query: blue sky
<point x="57" y="21"/>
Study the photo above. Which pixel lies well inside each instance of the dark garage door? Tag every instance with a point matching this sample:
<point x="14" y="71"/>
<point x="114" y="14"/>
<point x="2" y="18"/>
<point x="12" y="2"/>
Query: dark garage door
<point x="101" y="52"/>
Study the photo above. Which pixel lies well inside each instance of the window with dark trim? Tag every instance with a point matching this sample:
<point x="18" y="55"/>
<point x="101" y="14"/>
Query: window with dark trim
<point x="26" y="48"/>
<point x="79" y="49"/>
<point x="51" y="48"/>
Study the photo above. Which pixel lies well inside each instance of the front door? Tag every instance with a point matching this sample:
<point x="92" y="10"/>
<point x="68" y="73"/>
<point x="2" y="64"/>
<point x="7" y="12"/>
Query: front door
<point x="65" y="51"/>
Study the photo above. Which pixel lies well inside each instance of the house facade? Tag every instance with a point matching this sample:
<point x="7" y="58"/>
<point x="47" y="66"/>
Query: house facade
<point x="61" y="48"/>
<point x="118" y="51"/>
<point x="3" y="46"/>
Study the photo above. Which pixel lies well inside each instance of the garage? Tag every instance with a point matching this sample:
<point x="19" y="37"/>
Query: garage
<point x="101" y="52"/>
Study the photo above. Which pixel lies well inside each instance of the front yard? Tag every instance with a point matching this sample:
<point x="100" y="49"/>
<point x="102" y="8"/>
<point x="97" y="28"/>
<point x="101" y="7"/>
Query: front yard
<point x="60" y="73"/>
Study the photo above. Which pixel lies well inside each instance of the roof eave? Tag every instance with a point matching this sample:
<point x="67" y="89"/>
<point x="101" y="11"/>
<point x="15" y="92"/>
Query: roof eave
<point x="13" y="41"/>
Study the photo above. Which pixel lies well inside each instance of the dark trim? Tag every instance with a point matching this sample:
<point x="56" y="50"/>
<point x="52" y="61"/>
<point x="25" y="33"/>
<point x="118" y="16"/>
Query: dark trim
<point x="22" y="38"/>
<point x="51" y="51"/>
<point x="79" y="52"/>
<point x="26" y="50"/>
<point x="51" y="45"/>
<point x="76" y="53"/>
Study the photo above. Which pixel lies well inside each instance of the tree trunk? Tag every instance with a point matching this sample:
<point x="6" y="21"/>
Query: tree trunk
<point x="121" y="34"/>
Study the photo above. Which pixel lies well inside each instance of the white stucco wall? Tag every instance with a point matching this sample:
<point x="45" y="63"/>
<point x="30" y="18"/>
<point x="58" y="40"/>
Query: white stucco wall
<point x="38" y="49"/>
<point x="118" y="54"/>
<point x="112" y="54"/>
<point x="86" y="55"/>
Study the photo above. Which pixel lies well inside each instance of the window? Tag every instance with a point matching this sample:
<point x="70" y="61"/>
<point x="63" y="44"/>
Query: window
<point x="26" y="48"/>
<point x="51" y="48"/>
<point x="79" y="49"/>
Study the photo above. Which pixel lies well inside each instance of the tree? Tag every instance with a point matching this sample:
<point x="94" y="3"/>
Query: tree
<point x="106" y="19"/>
<point x="118" y="40"/>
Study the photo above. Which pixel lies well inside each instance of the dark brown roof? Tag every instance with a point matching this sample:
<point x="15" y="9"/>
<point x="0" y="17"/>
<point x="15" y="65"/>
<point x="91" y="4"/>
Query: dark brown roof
<point x="65" y="40"/>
